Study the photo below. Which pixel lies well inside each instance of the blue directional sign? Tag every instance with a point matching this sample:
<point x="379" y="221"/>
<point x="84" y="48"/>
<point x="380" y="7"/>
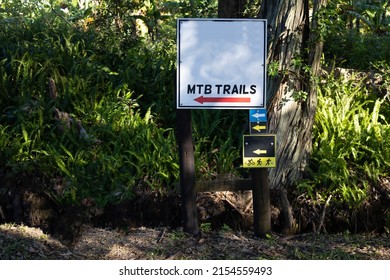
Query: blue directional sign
<point x="257" y="121"/>
<point x="258" y="115"/>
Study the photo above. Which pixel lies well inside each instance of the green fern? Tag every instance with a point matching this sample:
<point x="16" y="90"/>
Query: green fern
<point x="351" y="144"/>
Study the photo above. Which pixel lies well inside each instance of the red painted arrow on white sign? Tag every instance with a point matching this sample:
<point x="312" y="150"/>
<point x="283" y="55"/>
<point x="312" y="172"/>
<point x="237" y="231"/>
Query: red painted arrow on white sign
<point x="202" y="99"/>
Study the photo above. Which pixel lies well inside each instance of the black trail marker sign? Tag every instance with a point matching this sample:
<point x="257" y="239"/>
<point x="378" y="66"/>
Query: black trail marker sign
<point x="259" y="150"/>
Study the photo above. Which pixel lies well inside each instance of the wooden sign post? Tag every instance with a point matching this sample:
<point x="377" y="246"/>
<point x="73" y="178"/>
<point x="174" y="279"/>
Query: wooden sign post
<point x="187" y="171"/>
<point x="261" y="202"/>
<point x="265" y="156"/>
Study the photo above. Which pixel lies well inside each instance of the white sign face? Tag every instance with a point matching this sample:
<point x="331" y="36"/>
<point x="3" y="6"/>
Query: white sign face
<point x="221" y="63"/>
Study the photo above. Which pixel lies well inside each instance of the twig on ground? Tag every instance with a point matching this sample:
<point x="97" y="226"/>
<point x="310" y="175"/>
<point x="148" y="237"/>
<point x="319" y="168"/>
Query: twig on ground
<point x="323" y="215"/>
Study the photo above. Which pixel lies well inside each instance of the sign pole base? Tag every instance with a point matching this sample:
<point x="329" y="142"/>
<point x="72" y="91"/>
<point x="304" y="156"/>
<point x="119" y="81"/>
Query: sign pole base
<point x="187" y="171"/>
<point x="261" y="202"/>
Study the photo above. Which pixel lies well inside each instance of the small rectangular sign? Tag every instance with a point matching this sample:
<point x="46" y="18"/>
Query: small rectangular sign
<point x="258" y="127"/>
<point x="258" y="115"/>
<point x="259" y="151"/>
<point x="221" y="63"/>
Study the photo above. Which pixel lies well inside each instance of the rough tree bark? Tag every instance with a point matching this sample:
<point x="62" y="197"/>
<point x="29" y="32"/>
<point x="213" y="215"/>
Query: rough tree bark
<point x="292" y="95"/>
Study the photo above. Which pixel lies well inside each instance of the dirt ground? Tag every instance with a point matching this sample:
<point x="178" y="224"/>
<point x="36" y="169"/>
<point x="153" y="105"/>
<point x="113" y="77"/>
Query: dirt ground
<point x="225" y="221"/>
<point x="23" y="243"/>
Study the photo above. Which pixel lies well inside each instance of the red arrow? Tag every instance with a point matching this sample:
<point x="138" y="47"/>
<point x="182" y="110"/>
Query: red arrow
<point x="202" y="99"/>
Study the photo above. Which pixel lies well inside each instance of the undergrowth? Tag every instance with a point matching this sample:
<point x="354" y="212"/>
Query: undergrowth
<point x="114" y="82"/>
<point x="351" y="143"/>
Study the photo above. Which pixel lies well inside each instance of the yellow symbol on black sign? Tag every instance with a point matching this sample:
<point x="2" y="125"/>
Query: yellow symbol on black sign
<point x="259" y="152"/>
<point x="259" y="127"/>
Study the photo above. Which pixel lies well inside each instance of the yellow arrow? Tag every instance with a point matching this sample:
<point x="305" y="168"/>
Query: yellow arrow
<point x="259" y="152"/>
<point x="259" y="127"/>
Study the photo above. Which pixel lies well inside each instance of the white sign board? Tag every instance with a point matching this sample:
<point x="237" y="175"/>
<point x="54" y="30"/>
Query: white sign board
<point x="221" y="63"/>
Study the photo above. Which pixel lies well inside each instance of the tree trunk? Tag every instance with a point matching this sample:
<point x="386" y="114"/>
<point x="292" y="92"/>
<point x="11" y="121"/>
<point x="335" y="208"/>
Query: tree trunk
<point x="292" y="97"/>
<point x="231" y="8"/>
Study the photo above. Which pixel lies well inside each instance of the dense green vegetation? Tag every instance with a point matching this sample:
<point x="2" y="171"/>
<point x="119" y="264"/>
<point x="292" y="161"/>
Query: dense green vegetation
<point x="117" y="82"/>
<point x="113" y="66"/>
<point x="351" y="131"/>
<point x="351" y="141"/>
<point x="356" y="32"/>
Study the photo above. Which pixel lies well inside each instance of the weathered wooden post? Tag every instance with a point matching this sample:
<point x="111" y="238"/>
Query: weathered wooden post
<point x="261" y="202"/>
<point x="187" y="171"/>
<point x="259" y="155"/>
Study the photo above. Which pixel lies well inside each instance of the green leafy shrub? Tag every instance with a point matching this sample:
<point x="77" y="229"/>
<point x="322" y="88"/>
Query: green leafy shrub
<point x="351" y="146"/>
<point x="356" y="33"/>
<point x="352" y="49"/>
<point x="131" y="152"/>
<point x="125" y="146"/>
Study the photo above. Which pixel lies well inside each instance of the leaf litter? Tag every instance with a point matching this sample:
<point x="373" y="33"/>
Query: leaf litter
<point x="19" y="242"/>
